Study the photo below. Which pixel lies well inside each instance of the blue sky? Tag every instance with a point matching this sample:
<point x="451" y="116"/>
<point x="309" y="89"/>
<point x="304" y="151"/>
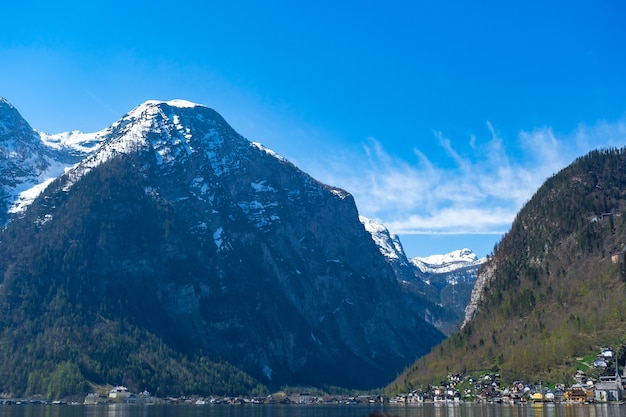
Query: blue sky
<point x="441" y="118"/>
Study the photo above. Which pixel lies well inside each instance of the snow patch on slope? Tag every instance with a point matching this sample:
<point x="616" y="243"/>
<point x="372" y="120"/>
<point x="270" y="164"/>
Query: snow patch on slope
<point x="26" y="197"/>
<point x="261" y="187"/>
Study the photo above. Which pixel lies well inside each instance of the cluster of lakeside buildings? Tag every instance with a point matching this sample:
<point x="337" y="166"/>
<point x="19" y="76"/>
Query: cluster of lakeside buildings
<point x="611" y="387"/>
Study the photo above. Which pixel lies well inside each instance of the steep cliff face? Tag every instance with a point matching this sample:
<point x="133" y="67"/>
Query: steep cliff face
<point x="437" y="287"/>
<point x="483" y="279"/>
<point x="180" y="226"/>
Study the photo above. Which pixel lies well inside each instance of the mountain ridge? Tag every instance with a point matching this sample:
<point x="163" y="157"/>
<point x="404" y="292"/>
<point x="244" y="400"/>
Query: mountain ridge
<point x="440" y="263"/>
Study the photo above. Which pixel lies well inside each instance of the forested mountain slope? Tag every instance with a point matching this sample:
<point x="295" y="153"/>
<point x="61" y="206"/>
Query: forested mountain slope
<point x="555" y="285"/>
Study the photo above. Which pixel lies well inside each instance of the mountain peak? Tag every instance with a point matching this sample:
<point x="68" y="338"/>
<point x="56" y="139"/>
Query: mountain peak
<point x="12" y="124"/>
<point x="173" y="103"/>
<point x="465" y="255"/>
<point x="4" y="103"/>
<point x="155" y="107"/>
<point x="453" y="260"/>
<point x="23" y="162"/>
<point x="171" y="130"/>
<point x="388" y="243"/>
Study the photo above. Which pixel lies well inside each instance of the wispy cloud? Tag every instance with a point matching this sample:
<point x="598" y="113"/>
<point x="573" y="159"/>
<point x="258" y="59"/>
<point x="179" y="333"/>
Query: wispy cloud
<point x="477" y="191"/>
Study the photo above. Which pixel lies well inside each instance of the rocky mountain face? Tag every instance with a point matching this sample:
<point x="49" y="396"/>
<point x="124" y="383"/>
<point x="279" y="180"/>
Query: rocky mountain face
<point x="437" y="287"/>
<point x="30" y="160"/>
<point x="482" y="280"/>
<point x="455" y="276"/>
<point x="215" y="248"/>
<point x="554" y="289"/>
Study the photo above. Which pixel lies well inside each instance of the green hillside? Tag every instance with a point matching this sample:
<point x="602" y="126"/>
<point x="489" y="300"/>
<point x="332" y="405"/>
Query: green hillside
<point x="556" y="283"/>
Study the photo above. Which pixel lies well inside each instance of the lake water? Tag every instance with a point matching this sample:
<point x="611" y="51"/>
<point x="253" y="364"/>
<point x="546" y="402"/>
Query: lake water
<point x="421" y="410"/>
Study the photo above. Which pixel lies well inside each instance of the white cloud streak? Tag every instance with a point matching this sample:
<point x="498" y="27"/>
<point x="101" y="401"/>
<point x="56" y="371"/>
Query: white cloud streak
<point x="476" y="192"/>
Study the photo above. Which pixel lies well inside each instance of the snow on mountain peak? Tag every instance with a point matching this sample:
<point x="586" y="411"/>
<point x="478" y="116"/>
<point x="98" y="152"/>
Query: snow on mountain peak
<point x="267" y="151"/>
<point x="151" y="108"/>
<point x="388" y="244"/>
<point x="391" y="247"/>
<point x="75" y="141"/>
<point x="174" y="131"/>
<point x="447" y="262"/>
<point x="462" y="255"/>
<point x="182" y="103"/>
<point x="173" y="103"/>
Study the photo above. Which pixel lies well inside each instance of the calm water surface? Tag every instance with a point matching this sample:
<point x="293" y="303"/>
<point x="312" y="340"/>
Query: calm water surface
<point x="423" y="410"/>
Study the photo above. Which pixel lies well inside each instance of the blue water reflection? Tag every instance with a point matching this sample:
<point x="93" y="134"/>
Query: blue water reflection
<point x="421" y="410"/>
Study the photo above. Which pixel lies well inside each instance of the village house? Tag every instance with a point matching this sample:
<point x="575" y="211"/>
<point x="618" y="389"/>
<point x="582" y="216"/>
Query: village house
<point x="119" y="393"/>
<point x="610" y="388"/>
<point x="579" y="394"/>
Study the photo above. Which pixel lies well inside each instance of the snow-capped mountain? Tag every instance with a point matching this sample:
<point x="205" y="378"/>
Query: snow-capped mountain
<point x="450" y="262"/>
<point x="30" y="160"/>
<point x="388" y="243"/>
<point x="438" y="286"/>
<point x="74" y="145"/>
<point x="178" y="225"/>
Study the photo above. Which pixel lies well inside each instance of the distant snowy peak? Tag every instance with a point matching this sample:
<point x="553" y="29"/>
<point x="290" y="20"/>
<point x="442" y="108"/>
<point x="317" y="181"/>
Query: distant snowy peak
<point x="438" y="286"/>
<point x="75" y="143"/>
<point x="31" y="160"/>
<point x="390" y="246"/>
<point x="388" y="243"/>
<point x="462" y="255"/>
<point x="24" y="162"/>
<point x="31" y="169"/>
<point x="438" y="264"/>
